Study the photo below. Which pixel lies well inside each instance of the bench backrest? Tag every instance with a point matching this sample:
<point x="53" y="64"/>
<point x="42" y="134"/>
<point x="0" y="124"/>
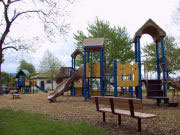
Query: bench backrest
<point x="99" y="100"/>
<point x="130" y="104"/>
<point x="125" y="102"/>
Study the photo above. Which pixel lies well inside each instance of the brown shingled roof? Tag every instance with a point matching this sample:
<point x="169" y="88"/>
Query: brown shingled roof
<point x="76" y="52"/>
<point x="99" y="42"/>
<point x="151" y="28"/>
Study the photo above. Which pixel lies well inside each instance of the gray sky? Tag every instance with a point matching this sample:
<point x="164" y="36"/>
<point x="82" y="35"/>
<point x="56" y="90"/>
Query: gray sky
<point x="129" y="13"/>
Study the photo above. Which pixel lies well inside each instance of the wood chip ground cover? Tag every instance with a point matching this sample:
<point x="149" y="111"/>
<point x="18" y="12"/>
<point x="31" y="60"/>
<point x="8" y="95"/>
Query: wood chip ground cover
<point x="69" y="108"/>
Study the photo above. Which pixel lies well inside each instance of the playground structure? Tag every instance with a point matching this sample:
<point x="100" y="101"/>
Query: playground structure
<point x="77" y="86"/>
<point x="21" y="83"/>
<point x="63" y="73"/>
<point x="151" y="28"/>
<point x="93" y="70"/>
<point x="153" y="87"/>
<point x="65" y="85"/>
<point x="124" y="75"/>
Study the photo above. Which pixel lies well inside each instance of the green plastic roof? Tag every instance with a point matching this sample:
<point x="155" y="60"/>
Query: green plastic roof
<point x="12" y="74"/>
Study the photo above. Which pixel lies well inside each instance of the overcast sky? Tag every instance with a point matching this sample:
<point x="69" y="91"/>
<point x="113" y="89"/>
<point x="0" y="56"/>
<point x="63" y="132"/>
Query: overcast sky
<point x="129" y="13"/>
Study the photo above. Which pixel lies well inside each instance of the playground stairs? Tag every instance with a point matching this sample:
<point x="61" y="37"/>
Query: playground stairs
<point x="154" y="88"/>
<point x="154" y="91"/>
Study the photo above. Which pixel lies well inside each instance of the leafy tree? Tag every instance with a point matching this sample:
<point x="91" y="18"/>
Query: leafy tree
<point x="50" y="64"/>
<point x="27" y="66"/>
<point x="5" y="78"/>
<point x="118" y="44"/>
<point x="172" y="51"/>
<point x="51" y="14"/>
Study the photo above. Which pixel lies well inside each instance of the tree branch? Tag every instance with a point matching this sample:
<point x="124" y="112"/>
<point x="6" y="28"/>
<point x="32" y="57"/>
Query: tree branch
<point x="6" y="6"/>
<point x="25" y="12"/>
<point x="3" y="2"/>
<point x="15" y="1"/>
<point x="12" y="47"/>
<point x="12" y="41"/>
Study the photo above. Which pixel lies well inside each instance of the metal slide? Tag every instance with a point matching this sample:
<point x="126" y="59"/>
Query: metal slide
<point x="170" y="82"/>
<point x="174" y="84"/>
<point x="64" y="86"/>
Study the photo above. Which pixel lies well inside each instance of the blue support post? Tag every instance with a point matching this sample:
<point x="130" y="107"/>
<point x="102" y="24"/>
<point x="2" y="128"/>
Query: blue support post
<point x="131" y="91"/>
<point x="131" y="88"/>
<point x="135" y="49"/>
<point x="72" y="89"/>
<point x="88" y="55"/>
<point x="72" y="85"/>
<point x="115" y="78"/>
<point x="83" y="84"/>
<point x="91" y="56"/>
<point x="136" y="60"/>
<point x="102" y="72"/>
<point x="164" y="65"/>
<point x="74" y="64"/>
<point x="139" y="67"/>
<point x="157" y="61"/>
<point x="74" y="71"/>
<point x="88" y="78"/>
<point x="84" y="88"/>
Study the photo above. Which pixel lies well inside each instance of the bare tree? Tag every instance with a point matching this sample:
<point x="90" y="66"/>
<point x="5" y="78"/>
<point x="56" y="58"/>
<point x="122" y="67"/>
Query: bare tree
<point x="176" y="15"/>
<point x="50" y="65"/>
<point x="51" y="13"/>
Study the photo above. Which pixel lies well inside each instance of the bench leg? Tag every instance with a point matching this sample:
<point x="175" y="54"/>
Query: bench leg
<point x="166" y="101"/>
<point x="119" y="119"/>
<point x="104" y="117"/>
<point x="158" y="102"/>
<point x="139" y="124"/>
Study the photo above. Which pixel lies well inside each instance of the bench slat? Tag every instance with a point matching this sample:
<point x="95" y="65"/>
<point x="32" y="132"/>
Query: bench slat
<point x="105" y="110"/>
<point x="124" y="103"/>
<point x="144" y="115"/>
<point x="103" y="101"/>
<point x="122" y="112"/>
<point x="121" y="105"/>
<point x="136" y="114"/>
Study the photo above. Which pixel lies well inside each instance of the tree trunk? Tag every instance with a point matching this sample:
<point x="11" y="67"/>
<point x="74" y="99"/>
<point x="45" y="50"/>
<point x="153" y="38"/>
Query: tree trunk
<point x="0" y="72"/>
<point x="52" y="82"/>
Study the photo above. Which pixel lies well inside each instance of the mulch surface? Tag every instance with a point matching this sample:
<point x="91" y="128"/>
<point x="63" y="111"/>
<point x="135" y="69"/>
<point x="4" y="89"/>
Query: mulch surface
<point x="69" y="108"/>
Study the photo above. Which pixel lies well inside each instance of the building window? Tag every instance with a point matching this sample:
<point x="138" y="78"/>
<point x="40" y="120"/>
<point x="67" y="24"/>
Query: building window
<point x="49" y="81"/>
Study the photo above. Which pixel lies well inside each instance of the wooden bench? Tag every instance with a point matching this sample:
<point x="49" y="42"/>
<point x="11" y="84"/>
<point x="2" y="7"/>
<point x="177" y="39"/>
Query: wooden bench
<point x="15" y="96"/>
<point x="121" y="106"/>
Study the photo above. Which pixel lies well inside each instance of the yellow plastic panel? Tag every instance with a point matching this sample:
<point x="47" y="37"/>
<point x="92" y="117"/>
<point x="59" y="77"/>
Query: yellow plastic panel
<point x="27" y="83"/>
<point x="79" y="92"/>
<point x="127" y="74"/>
<point x="33" y="82"/>
<point x="95" y="71"/>
<point x="11" y="84"/>
<point x="78" y="85"/>
<point x="96" y="93"/>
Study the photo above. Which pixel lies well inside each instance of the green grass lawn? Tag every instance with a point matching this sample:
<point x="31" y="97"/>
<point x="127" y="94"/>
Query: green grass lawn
<point x="21" y="123"/>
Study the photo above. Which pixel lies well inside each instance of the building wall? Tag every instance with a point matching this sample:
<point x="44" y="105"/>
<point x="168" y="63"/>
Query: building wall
<point x="47" y="84"/>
